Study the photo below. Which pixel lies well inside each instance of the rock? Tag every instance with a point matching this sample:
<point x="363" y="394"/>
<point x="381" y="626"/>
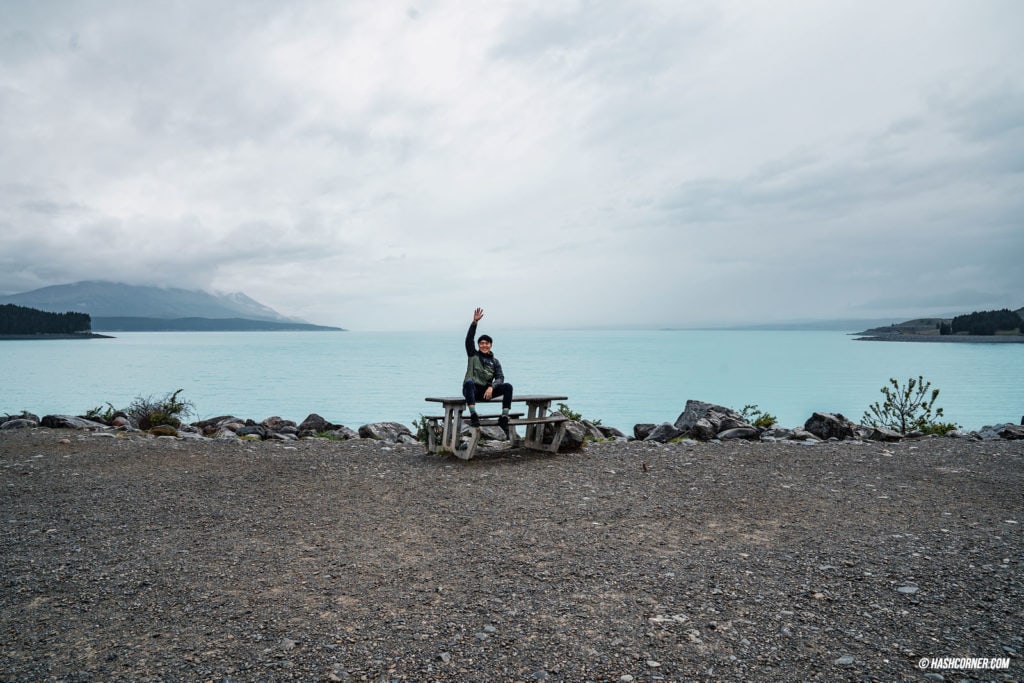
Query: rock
<point x="883" y="434"/>
<point x="163" y="430"/>
<point x="1012" y="432"/>
<point x="120" y="421"/>
<point x="828" y="425"/>
<point x="908" y="590"/>
<point x="640" y="431"/>
<point x="342" y="432"/>
<point x="69" y="422"/>
<point x="593" y="432"/>
<point x="803" y="435"/>
<point x="281" y="436"/>
<point x="19" y="423"/>
<point x="23" y="415"/>
<point x="703" y="430"/>
<point x="575" y="434"/>
<point x="610" y="432"/>
<point x="994" y="432"/>
<point x="276" y="424"/>
<point x="748" y="433"/>
<point x="253" y="430"/>
<point x="714" y="414"/>
<point x="314" y="423"/>
<point x="384" y="431"/>
<point x="664" y="433"/>
<point x="845" y="660"/>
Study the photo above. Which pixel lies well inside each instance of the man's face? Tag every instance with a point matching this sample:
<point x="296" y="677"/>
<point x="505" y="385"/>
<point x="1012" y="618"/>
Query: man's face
<point x="485" y="346"/>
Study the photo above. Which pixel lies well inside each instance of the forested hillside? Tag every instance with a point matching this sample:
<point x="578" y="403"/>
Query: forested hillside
<point x="23" y="320"/>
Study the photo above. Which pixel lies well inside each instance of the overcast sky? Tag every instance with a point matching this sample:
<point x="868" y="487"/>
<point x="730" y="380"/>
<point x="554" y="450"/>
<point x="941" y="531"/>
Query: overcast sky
<point x="379" y="165"/>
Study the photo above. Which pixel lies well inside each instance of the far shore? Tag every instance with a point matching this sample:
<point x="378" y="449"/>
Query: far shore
<point x="90" y="335"/>
<point x="948" y="338"/>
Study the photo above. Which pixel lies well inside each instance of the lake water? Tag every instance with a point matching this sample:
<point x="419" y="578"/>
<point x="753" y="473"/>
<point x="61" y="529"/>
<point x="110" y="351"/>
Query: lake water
<point x="619" y="377"/>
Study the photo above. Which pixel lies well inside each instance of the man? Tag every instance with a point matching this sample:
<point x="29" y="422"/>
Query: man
<point x="484" y="379"/>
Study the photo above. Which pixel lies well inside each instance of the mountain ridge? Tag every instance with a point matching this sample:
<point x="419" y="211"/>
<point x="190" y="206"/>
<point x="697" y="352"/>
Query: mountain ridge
<point x="103" y="299"/>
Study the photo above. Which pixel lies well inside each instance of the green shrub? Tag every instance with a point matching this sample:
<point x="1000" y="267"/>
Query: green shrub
<point x="100" y="414"/>
<point x="573" y="415"/>
<point x="908" y="408"/>
<point x="421" y="427"/>
<point x="146" y="413"/>
<point x="755" y="416"/>
<point x="940" y="428"/>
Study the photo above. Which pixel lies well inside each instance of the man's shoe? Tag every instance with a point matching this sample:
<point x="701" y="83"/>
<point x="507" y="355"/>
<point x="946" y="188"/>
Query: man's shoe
<point x="503" y="423"/>
<point x="474" y="420"/>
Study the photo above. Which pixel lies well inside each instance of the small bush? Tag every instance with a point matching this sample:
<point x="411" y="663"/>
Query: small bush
<point x="146" y="413"/>
<point x="100" y="414"/>
<point x="907" y="408"/>
<point x="755" y="416"/>
<point x="573" y="415"/>
<point x="940" y="428"/>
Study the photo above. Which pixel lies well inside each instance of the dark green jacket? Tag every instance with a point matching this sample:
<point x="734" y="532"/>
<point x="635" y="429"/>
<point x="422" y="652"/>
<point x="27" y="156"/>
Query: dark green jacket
<point x="482" y="368"/>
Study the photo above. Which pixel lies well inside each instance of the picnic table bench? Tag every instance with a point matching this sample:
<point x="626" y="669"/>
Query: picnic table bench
<point x="449" y="425"/>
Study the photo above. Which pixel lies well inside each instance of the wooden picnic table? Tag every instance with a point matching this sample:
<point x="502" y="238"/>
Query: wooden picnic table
<point x="537" y="418"/>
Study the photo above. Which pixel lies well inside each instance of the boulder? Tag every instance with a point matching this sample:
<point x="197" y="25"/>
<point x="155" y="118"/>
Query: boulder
<point x="215" y="421"/>
<point x="640" y="431"/>
<point x="69" y="422"/>
<point x="593" y="431"/>
<point x="610" y="432"/>
<point x="315" y="424"/>
<point x="802" y="435"/>
<point x="714" y="414"/>
<point x="384" y="431"/>
<point x="748" y="433"/>
<point x="25" y="415"/>
<point x="281" y="436"/>
<point x="19" y="423"/>
<point x="342" y="432"/>
<point x="828" y="425"/>
<point x="994" y="432"/>
<point x="253" y="430"/>
<point x="664" y="433"/>
<point x="883" y="434"/>
<point x="1012" y="432"/>
<point x="575" y="434"/>
<point x="703" y="430"/>
<point x="276" y="424"/>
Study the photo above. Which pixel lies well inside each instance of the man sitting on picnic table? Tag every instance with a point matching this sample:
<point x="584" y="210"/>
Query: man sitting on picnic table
<point x="484" y="378"/>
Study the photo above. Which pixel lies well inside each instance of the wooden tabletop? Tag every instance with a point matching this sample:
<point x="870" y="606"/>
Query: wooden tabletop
<point x="530" y="398"/>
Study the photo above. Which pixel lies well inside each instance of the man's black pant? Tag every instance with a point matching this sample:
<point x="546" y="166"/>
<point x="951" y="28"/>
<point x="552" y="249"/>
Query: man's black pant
<point x="474" y="392"/>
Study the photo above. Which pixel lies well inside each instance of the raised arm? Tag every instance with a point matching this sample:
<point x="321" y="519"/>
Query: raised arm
<point x="470" y="343"/>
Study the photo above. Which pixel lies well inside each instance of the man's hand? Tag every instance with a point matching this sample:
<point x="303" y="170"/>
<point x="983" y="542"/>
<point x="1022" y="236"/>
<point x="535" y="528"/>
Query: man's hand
<point x="489" y="391"/>
<point x="477" y="314"/>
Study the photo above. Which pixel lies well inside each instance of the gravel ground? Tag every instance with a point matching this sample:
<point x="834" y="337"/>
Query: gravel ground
<point x="158" y="559"/>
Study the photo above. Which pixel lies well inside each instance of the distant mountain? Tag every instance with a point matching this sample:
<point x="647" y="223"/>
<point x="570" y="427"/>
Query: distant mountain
<point x="138" y="324"/>
<point x="111" y="299"/>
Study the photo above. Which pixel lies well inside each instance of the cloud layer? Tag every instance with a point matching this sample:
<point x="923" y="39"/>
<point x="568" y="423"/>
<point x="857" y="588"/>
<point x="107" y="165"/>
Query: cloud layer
<point x="560" y="163"/>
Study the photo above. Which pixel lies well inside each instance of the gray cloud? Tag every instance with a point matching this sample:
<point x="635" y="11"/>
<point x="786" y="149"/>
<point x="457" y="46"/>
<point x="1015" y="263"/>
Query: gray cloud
<point x="378" y="166"/>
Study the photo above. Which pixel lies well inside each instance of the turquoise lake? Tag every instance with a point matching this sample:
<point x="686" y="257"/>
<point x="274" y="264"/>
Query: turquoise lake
<point x="619" y="377"/>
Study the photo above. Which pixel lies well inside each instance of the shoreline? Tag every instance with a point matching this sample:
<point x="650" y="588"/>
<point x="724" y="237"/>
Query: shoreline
<point x="41" y="337"/>
<point x="947" y="338"/>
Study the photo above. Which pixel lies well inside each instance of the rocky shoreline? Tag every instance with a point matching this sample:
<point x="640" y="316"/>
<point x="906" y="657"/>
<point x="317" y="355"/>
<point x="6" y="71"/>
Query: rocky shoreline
<point x="130" y="557"/>
<point x="699" y="421"/>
